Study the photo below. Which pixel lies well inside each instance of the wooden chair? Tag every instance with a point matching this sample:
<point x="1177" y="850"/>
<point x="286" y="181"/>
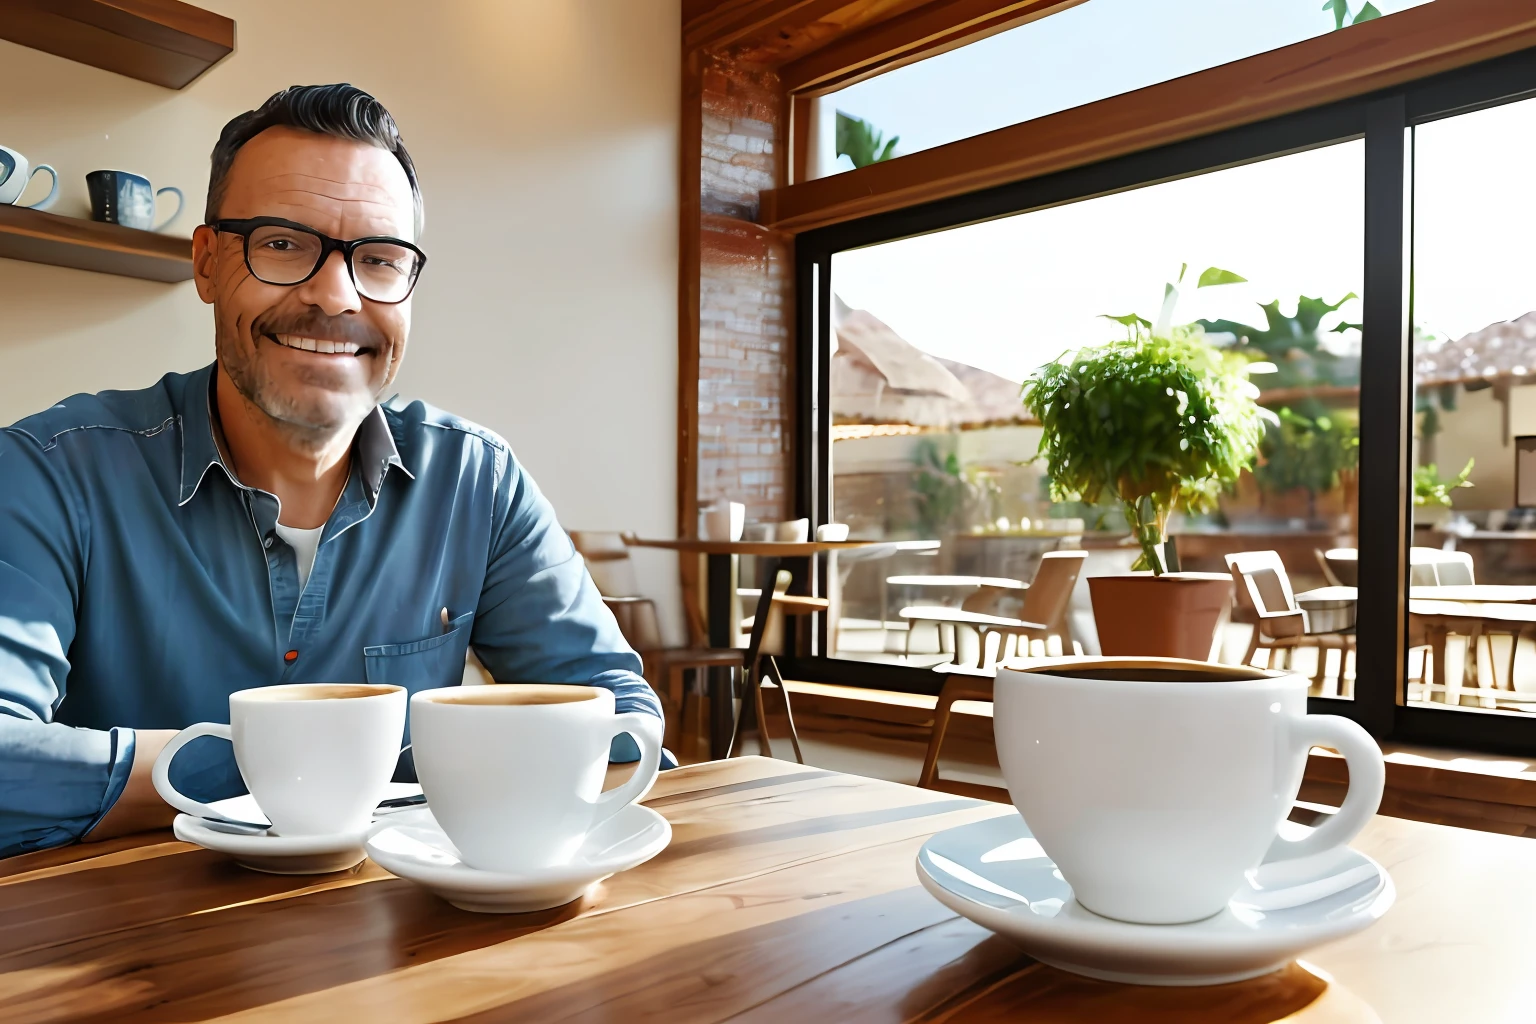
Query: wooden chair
<point x="1046" y="600"/>
<point x="1264" y="590"/>
<point x="665" y="668"/>
<point x="957" y="686"/>
<point x="1040" y="609"/>
<point x="768" y="642"/>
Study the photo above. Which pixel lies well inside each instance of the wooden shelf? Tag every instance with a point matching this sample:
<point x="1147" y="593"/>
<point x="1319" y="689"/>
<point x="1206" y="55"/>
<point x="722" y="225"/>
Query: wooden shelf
<point x="88" y="245"/>
<point x="165" y="42"/>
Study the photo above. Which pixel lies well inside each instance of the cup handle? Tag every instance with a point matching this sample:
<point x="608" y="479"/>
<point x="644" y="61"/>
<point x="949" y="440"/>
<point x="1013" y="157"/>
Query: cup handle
<point x="1367" y="780"/>
<point x="646" y="729"/>
<point x="181" y="202"/>
<point x="162" y="774"/>
<point x="53" y="192"/>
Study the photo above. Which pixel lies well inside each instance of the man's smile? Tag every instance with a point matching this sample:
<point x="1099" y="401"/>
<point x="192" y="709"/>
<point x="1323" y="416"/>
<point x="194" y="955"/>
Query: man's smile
<point x="320" y="346"/>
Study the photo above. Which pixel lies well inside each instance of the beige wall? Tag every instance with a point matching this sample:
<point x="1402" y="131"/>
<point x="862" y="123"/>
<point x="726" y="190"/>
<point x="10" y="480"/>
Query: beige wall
<point x="546" y="136"/>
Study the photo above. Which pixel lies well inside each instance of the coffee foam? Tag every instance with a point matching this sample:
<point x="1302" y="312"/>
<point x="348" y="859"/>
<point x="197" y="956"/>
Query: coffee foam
<point x="317" y="691"/>
<point x="513" y="694"/>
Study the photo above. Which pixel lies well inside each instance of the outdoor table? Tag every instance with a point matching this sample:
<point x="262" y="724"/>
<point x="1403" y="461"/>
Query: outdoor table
<point x="788" y="894"/>
<point x="720" y="601"/>
<point x="1493" y="593"/>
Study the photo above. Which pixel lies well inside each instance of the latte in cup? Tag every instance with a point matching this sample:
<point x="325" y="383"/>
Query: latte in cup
<point x="316" y="756"/>
<point x="513" y="772"/>
<point x="1156" y="784"/>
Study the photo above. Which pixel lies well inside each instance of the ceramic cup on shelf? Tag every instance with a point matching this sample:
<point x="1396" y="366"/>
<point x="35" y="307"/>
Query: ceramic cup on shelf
<point x="316" y="756"/>
<point x="15" y="176"/>
<point x="514" y="772"/>
<point x="832" y="533"/>
<point x="1157" y="785"/>
<point x="794" y="531"/>
<point x="122" y="197"/>
<point x="722" y="521"/>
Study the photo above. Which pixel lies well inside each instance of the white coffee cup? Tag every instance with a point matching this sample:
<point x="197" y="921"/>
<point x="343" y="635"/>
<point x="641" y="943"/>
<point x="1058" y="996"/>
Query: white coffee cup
<point x="513" y="772"/>
<point x="723" y="521"/>
<point x="1156" y="784"/>
<point x="316" y="756"/>
<point x="16" y="172"/>
<point x="794" y="531"/>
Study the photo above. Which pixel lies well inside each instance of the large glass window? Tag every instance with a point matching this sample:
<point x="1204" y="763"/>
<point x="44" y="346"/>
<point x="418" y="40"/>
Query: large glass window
<point x="932" y="450"/>
<point x="1473" y="559"/>
<point x="1089" y="52"/>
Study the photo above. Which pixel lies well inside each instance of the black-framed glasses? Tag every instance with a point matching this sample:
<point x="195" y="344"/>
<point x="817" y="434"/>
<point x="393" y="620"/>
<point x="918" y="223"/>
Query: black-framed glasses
<point x="282" y="252"/>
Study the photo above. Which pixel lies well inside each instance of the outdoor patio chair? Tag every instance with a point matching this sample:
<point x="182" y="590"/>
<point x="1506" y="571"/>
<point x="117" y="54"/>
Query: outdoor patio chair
<point x="1264" y="591"/>
<point x="1041" y="609"/>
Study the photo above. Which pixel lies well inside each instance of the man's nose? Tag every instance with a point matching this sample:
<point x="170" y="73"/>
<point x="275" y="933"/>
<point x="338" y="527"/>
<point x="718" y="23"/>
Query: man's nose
<point x="331" y="289"/>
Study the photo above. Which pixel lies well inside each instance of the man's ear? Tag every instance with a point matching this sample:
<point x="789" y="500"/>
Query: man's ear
<point x="205" y="260"/>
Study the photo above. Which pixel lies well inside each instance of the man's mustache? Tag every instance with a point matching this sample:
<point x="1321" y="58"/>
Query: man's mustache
<point x="315" y="324"/>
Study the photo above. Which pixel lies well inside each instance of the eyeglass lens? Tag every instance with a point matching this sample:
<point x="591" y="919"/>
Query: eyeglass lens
<point x="281" y="255"/>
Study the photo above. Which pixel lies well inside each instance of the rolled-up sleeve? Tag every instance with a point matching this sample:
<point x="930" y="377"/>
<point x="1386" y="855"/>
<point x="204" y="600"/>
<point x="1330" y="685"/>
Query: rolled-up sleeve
<point x="56" y="781"/>
<point x="540" y="617"/>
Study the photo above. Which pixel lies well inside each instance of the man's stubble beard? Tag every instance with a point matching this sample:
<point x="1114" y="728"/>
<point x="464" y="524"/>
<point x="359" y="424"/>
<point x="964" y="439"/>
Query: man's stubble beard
<point x="313" y="423"/>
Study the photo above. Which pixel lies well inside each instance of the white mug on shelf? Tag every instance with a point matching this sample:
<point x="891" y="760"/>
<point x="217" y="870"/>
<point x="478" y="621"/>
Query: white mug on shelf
<point x="316" y="756"/>
<point x="722" y="521"/>
<point x="513" y="772"/>
<point x="794" y="531"/>
<point x="1156" y="784"/>
<point x="15" y="176"/>
<point x="832" y="532"/>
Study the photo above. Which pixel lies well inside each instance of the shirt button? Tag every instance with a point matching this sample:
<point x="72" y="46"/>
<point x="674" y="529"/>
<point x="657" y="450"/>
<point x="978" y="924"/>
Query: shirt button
<point x="291" y="657"/>
<point x="269" y="543"/>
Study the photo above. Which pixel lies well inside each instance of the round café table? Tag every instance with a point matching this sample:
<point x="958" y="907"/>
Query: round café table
<point x="721" y="604"/>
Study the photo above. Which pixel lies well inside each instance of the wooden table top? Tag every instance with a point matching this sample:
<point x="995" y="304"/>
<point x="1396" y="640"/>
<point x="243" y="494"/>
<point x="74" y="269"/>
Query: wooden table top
<point x="777" y="548"/>
<point x="788" y="894"/>
<point x="958" y="582"/>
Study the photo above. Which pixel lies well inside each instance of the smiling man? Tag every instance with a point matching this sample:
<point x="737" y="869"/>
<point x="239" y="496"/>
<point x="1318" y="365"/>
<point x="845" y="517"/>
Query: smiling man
<point x="265" y="520"/>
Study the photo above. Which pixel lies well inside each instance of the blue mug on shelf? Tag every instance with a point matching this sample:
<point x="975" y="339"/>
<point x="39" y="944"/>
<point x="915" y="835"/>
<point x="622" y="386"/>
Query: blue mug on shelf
<point x="122" y="197"/>
<point x="15" y="176"/>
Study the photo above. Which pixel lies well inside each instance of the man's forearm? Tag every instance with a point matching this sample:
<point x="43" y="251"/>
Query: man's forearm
<point x="138" y="808"/>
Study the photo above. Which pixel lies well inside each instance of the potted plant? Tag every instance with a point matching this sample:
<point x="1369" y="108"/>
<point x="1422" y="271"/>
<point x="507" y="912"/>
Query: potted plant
<point x="1157" y="422"/>
<point x="1429" y="491"/>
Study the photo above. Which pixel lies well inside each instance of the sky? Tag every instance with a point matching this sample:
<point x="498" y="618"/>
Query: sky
<point x="1014" y="293"/>
<point x="1097" y="49"/>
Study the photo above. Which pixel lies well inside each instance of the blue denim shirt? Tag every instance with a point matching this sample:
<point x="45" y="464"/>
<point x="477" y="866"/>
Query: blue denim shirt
<point x="141" y="584"/>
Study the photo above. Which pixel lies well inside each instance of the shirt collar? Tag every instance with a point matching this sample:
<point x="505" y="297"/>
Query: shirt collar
<point x="373" y="446"/>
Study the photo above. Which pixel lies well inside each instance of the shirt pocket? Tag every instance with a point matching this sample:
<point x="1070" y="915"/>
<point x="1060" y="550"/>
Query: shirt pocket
<point x="422" y="664"/>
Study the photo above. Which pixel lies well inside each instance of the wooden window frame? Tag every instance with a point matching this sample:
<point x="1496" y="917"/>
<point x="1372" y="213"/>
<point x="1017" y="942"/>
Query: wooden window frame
<point x="1380" y="54"/>
<point x="1384" y="120"/>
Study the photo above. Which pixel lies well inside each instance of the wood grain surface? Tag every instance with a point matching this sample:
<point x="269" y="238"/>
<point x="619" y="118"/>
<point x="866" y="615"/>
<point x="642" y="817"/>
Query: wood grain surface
<point x="39" y="237"/>
<point x="787" y="894"/>
<point x="165" y="42"/>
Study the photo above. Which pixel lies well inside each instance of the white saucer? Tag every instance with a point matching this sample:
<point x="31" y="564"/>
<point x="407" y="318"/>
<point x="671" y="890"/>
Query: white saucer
<point x="412" y="845"/>
<point x="280" y="855"/>
<point x="995" y="873"/>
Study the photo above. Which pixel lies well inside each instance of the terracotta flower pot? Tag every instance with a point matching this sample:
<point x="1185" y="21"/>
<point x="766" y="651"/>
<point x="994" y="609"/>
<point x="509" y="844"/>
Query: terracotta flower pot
<point x="1176" y="615"/>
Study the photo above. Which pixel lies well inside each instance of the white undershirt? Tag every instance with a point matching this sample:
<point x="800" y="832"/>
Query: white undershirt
<point x="304" y="543"/>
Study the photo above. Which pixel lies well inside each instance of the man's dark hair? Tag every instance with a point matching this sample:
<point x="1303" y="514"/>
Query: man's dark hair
<point x="342" y="111"/>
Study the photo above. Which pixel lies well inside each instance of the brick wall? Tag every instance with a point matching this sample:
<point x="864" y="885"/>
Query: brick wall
<point x="746" y="300"/>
